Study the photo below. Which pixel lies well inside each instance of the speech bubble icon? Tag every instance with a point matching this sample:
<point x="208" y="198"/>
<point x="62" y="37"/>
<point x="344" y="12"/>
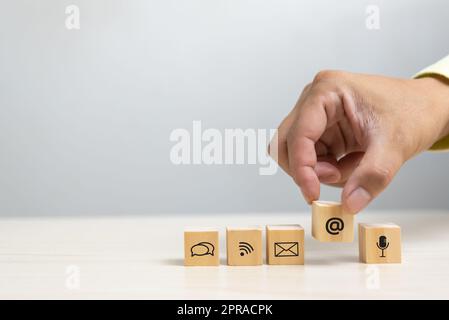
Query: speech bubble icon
<point x="202" y="249"/>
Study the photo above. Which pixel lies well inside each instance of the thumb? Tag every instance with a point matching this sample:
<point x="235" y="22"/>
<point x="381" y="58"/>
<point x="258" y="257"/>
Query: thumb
<point x="374" y="173"/>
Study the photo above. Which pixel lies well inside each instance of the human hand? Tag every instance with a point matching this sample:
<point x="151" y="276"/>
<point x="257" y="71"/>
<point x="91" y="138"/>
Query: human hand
<point x="355" y="131"/>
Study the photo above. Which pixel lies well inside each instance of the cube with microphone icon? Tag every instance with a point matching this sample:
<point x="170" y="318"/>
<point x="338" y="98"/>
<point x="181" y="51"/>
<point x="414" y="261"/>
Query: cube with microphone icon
<point x="330" y="223"/>
<point x="379" y="243"/>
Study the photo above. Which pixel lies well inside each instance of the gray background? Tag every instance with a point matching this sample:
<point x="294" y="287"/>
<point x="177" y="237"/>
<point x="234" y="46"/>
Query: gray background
<point x="85" y="116"/>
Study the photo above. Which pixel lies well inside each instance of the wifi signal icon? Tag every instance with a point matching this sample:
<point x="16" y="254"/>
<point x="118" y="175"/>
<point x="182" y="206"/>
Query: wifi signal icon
<point x="245" y="248"/>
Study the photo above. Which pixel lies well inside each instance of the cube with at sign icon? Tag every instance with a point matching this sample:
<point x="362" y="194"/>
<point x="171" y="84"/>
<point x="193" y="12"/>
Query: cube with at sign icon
<point x="330" y="223"/>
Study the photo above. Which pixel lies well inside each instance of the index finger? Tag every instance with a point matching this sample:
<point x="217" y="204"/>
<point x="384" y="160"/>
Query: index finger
<point x="314" y="116"/>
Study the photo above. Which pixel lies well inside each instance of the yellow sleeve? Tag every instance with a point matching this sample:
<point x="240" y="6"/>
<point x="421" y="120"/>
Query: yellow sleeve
<point x="440" y="68"/>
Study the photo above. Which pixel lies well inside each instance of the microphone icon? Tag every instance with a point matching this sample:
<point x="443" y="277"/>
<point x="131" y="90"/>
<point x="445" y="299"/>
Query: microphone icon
<point x="382" y="244"/>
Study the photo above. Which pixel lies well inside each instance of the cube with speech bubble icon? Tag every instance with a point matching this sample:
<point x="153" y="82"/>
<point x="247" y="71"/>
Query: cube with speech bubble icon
<point x="201" y="247"/>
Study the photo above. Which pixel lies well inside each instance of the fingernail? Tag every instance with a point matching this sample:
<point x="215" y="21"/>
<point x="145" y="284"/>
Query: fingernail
<point x="327" y="173"/>
<point x="357" y="200"/>
<point x="331" y="178"/>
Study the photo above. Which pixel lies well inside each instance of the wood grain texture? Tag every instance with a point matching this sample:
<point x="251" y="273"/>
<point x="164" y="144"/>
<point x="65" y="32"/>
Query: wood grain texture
<point x="138" y="257"/>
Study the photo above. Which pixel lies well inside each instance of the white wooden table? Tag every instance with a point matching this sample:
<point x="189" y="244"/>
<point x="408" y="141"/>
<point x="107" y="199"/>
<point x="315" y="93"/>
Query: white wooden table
<point x="142" y="258"/>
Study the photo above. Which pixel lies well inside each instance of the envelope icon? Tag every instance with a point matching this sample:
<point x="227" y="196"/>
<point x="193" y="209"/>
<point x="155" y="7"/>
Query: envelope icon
<point x="286" y="249"/>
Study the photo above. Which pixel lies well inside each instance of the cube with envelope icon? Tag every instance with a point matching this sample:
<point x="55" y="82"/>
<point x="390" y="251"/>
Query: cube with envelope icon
<point x="286" y="249"/>
<point x="285" y="244"/>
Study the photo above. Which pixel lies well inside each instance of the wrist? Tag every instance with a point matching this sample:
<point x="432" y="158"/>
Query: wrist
<point x="437" y="89"/>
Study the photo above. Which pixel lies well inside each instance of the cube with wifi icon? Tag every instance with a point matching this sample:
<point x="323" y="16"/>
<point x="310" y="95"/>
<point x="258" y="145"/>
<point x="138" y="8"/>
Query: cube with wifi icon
<point x="244" y="246"/>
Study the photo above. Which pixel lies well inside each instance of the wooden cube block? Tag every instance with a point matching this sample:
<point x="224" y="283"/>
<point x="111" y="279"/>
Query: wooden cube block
<point x="285" y="244"/>
<point x="330" y="223"/>
<point x="201" y="247"/>
<point x="244" y="246"/>
<point x="379" y="243"/>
